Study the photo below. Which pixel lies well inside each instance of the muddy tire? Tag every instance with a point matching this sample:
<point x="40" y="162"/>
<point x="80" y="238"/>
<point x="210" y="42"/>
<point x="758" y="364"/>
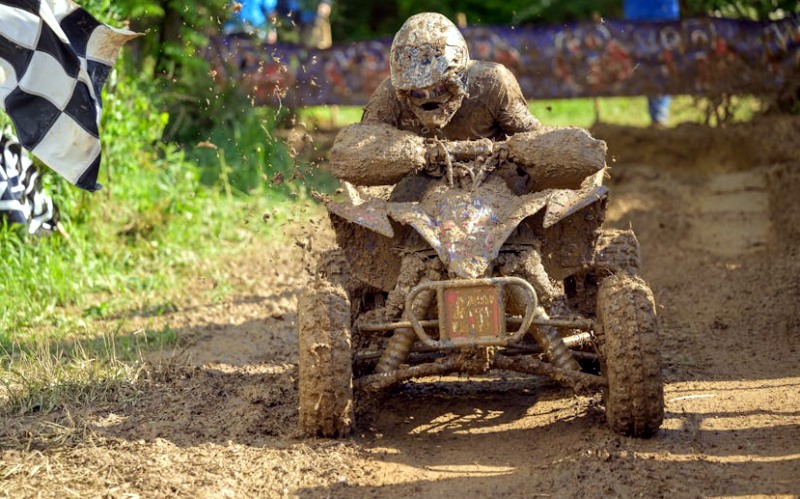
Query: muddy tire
<point x="628" y="346"/>
<point x="326" y="375"/>
<point x="332" y="267"/>
<point x="617" y="252"/>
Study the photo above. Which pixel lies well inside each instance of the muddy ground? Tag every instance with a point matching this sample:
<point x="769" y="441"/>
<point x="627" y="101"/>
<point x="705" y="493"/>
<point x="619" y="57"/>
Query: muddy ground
<point x="718" y="218"/>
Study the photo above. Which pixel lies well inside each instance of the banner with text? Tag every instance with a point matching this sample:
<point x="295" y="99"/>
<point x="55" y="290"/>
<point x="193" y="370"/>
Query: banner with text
<point x="707" y="56"/>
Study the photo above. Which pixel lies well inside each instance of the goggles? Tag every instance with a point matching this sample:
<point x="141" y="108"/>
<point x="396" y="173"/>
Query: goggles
<point x="439" y="93"/>
<point x="429" y="94"/>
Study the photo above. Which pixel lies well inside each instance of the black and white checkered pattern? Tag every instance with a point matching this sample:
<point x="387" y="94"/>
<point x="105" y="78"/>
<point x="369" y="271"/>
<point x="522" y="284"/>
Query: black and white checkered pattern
<point x="54" y="59"/>
<point x="22" y="199"/>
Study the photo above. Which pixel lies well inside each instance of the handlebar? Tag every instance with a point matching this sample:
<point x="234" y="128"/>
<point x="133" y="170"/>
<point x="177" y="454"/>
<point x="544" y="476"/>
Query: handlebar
<point x="468" y="150"/>
<point x="473" y="159"/>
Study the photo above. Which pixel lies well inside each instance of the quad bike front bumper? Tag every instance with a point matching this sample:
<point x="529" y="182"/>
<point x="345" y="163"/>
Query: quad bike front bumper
<point x="472" y="317"/>
<point x="485" y="331"/>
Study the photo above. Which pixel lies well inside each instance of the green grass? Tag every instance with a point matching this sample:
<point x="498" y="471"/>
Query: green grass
<point x="581" y="112"/>
<point x="52" y="376"/>
<point x="166" y="215"/>
<point x="331" y="116"/>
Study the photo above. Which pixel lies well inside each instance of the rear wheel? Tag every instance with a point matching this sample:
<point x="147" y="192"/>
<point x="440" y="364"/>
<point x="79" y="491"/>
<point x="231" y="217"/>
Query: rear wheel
<point x="326" y="375"/>
<point x="628" y="345"/>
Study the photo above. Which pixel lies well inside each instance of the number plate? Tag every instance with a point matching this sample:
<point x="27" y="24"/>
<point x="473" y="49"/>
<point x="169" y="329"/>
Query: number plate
<point x="473" y="312"/>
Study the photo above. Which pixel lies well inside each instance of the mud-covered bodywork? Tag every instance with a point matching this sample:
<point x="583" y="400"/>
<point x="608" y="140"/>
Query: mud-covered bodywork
<point x="467" y="229"/>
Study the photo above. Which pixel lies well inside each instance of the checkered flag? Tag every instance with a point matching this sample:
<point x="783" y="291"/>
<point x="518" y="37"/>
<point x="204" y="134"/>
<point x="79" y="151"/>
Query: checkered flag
<point x="54" y="60"/>
<point x="22" y="199"/>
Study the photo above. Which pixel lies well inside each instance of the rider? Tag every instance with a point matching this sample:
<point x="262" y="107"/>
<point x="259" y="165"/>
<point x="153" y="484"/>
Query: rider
<point x="434" y="92"/>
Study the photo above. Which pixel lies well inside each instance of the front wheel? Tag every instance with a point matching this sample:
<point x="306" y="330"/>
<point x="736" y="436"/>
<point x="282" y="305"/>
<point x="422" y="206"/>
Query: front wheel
<point x="326" y="374"/>
<point x="628" y="345"/>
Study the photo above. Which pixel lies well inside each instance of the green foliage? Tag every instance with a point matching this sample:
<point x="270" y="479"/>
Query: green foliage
<point x="745" y="9"/>
<point x="163" y="201"/>
<point x="514" y="11"/>
<point x="551" y="11"/>
<point x="132" y="241"/>
<point x="245" y="154"/>
<point x="359" y="19"/>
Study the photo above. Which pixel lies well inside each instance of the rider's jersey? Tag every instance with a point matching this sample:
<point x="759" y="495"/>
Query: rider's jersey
<point x="494" y="108"/>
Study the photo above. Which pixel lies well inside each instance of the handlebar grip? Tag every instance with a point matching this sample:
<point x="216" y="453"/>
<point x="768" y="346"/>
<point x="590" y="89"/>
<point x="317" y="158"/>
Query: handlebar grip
<point x="466" y="150"/>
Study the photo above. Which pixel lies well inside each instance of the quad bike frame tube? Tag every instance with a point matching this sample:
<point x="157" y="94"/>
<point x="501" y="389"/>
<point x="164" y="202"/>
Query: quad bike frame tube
<point x="576" y="323"/>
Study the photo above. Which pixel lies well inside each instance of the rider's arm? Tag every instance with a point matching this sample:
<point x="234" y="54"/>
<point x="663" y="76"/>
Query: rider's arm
<point x="553" y="157"/>
<point x="376" y="154"/>
<point x="376" y="151"/>
<point x="557" y="157"/>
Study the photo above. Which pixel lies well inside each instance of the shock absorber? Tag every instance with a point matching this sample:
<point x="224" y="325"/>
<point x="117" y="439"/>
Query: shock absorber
<point x="553" y="345"/>
<point x="548" y="338"/>
<point x="401" y="341"/>
<point x="397" y="351"/>
<point x="412" y="271"/>
<point x="529" y="266"/>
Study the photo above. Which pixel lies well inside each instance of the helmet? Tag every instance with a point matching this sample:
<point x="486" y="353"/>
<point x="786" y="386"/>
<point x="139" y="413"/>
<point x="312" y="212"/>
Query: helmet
<point x="428" y="63"/>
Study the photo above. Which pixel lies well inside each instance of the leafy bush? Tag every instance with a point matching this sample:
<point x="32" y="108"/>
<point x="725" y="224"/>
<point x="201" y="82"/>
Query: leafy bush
<point x="744" y="9"/>
<point x="162" y="201"/>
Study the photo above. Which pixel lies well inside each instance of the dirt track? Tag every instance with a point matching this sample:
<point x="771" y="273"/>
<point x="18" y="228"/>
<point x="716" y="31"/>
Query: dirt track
<point x="718" y="219"/>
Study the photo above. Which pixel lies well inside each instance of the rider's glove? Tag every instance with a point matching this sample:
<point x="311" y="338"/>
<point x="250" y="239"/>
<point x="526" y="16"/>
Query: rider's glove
<point x="501" y="153"/>
<point x="437" y="158"/>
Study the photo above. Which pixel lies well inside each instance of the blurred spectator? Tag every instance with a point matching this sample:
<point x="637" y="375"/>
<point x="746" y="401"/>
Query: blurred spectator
<point x="312" y="18"/>
<point x="654" y="10"/>
<point x="255" y="18"/>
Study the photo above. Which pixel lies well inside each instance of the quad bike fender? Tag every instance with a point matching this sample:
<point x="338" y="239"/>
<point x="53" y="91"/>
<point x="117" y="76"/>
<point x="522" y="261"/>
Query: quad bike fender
<point x="561" y="203"/>
<point x="372" y="257"/>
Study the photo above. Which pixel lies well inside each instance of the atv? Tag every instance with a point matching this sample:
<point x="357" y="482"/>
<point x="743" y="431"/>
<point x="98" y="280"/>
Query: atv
<point x="457" y="273"/>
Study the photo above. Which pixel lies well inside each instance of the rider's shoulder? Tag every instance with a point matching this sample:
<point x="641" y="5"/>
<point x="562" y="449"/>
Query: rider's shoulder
<point x="485" y="74"/>
<point x="384" y="94"/>
<point x="486" y="68"/>
<point x="385" y="87"/>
